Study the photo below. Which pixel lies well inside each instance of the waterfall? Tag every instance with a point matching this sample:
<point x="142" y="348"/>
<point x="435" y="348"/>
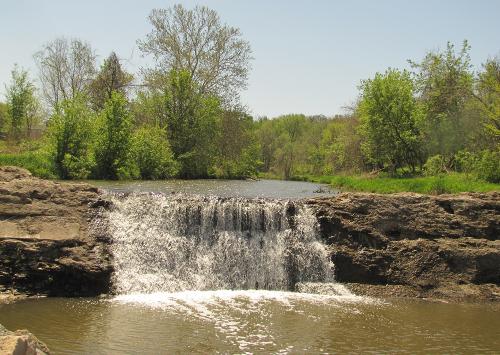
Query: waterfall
<point x="171" y="243"/>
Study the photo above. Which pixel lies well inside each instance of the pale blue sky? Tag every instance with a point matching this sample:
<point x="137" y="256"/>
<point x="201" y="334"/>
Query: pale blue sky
<point x="309" y="55"/>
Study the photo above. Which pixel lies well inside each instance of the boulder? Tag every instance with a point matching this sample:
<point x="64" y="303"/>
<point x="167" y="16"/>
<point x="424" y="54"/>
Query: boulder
<point x="20" y="342"/>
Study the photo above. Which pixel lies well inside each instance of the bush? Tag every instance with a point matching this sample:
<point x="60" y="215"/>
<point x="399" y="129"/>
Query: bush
<point x="465" y="162"/>
<point x="435" y="165"/>
<point x="488" y="166"/>
<point x="152" y="154"/>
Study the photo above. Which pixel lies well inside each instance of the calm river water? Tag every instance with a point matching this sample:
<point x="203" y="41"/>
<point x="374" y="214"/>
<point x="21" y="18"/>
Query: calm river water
<point x="275" y="189"/>
<point x="255" y="322"/>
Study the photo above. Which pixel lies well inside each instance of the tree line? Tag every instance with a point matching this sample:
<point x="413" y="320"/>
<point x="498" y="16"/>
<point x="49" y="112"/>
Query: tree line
<point x="436" y="118"/>
<point x="183" y="116"/>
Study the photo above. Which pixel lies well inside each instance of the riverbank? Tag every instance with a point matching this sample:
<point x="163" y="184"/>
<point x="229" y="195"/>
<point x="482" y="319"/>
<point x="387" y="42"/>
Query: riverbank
<point x="53" y="241"/>
<point x="451" y="183"/>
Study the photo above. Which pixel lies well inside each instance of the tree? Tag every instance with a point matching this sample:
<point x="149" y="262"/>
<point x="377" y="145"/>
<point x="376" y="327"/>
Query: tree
<point x="192" y="122"/>
<point x="111" y="78"/>
<point x="390" y="117"/>
<point x="238" y="151"/>
<point x="22" y="105"/>
<point x="488" y="96"/>
<point x="112" y="153"/>
<point x="3" y="117"/>
<point x="66" y="69"/>
<point x="152" y="154"/>
<point x="341" y="146"/>
<point x="214" y="54"/>
<point x="71" y="133"/>
<point x="444" y="81"/>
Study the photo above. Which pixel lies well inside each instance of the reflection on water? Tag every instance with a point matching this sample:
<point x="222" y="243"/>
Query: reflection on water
<point x="255" y="321"/>
<point x="277" y="189"/>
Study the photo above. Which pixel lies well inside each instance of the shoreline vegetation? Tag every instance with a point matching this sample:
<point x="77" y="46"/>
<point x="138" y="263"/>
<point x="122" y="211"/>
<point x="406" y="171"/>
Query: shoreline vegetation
<point x="450" y="183"/>
<point x="433" y="128"/>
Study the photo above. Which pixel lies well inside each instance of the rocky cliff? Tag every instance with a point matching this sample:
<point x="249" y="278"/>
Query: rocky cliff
<point x="443" y="246"/>
<point x="45" y="244"/>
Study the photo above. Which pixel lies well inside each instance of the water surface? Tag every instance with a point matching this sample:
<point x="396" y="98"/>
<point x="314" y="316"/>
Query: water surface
<point x="274" y="189"/>
<point x="255" y="322"/>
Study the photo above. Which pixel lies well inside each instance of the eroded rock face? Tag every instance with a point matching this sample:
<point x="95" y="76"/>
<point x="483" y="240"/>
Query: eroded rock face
<point x="45" y="244"/>
<point x="20" y="342"/>
<point x="432" y="244"/>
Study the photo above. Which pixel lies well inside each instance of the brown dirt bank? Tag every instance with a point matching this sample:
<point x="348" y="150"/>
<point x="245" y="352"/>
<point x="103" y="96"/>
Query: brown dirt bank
<point x="415" y="245"/>
<point x="45" y="244"/>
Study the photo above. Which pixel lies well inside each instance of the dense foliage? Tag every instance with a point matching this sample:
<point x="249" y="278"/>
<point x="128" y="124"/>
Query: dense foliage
<point x="184" y="118"/>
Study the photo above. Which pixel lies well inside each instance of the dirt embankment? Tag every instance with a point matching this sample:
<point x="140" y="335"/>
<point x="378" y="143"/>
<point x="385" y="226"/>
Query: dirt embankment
<point x="45" y="244"/>
<point x="415" y="245"/>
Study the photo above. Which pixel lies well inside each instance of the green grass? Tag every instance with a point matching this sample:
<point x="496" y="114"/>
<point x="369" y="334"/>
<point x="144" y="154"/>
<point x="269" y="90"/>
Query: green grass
<point x="449" y="183"/>
<point x="37" y="162"/>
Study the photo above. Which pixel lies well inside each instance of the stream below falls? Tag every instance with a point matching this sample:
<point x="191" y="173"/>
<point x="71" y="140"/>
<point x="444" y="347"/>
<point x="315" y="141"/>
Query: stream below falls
<point x="233" y="272"/>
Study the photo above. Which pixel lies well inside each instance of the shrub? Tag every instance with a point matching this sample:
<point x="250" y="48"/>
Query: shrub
<point x="488" y="166"/>
<point x="152" y="154"/>
<point x="435" y="165"/>
<point x="465" y="162"/>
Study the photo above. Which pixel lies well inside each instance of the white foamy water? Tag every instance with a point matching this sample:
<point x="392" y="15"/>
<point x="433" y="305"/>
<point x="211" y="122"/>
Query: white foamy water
<point x="176" y="243"/>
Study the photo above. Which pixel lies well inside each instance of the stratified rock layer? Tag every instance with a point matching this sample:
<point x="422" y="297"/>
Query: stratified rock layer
<point x="437" y="246"/>
<point x="45" y="244"/>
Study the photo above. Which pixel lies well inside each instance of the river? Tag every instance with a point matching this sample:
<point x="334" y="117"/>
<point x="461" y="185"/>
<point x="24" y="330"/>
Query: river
<point x="237" y="267"/>
<point x="255" y="322"/>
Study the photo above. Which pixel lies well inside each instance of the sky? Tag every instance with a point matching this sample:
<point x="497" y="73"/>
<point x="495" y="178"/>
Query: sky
<point x="309" y="56"/>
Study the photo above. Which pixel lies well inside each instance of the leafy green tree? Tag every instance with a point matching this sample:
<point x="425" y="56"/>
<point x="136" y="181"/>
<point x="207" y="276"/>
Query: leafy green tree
<point x="3" y="117"/>
<point x="112" y="151"/>
<point x="445" y="82"/>
<point x="148" y="108"/>
<point x="340" y="146"/>
<point x="238" y="150"/>
<point x="266" y="137"/>
<point x="488" y="96"/>
<point x="152" y="154"/>
<point x="72" y="135"/>
<point x="111" y="78"/>
<point x="22" y="105"/>
<point x="192" y="122"/>
<point x="390" y="117"/>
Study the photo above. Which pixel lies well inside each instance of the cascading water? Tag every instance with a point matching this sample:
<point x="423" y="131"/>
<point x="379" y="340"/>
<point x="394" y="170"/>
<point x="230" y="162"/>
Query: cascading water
<point x="171" y="243"/>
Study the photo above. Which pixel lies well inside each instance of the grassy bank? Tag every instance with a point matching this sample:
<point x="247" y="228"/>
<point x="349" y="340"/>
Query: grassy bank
<point x="37" y="162"/>
<point x="448" y="183"/>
